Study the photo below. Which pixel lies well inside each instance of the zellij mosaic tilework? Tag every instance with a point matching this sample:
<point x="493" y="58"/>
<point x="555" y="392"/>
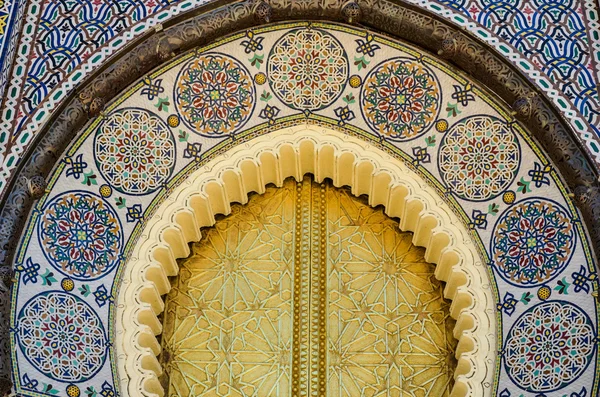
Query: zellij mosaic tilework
<point x="452" y="132"/>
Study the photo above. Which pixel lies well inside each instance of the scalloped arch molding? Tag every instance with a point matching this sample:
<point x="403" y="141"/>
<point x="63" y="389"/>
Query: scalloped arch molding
<point x="386" y="118"/>
<point x="270" y="159"/>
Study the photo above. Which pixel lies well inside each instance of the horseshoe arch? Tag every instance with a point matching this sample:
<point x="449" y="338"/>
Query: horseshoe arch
<point x="389" y="120"/>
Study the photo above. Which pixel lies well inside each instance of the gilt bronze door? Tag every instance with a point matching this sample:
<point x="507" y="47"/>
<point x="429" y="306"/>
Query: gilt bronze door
<point x="307" y="291"/>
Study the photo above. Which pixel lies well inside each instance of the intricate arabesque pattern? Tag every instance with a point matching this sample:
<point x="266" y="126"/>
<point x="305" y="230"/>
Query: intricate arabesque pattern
<point x="401" y="99"/>
<point x="214" y="95"/>
<point x="553" y="35"/>
<point x="533" y="242"/>
<point x="135" y="151"/>
<point x="62" y="336"/>
<point x="307" y="69"/>
<point x="69" y="32"/>
<point x="80" y="235"/>
<point x="549" y="346"/>
<point x="556" y="36"/>
<point x="479" y="158"/>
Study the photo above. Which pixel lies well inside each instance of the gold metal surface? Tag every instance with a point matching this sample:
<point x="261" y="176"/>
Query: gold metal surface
<point x="307" y="291"/>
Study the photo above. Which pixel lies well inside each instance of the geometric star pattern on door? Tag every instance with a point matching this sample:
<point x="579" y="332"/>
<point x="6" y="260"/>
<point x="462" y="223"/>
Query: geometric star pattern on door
<point x="389" y="328"/>
<point x="237" y="310"/>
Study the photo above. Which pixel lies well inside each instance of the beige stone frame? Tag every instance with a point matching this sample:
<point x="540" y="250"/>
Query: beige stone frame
<point x="271" y="158"/>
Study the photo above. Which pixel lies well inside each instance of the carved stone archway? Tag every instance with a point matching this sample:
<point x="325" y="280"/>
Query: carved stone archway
<point x="294" y="152"/>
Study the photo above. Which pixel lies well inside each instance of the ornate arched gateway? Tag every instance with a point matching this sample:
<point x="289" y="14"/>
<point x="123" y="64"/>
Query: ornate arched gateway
<point x="326" y="154"/>
<point x="441" y="154"/>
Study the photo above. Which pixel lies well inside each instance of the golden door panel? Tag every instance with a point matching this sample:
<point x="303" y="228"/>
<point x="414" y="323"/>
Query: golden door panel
<point x="228" y="318"/>
<point x="307" y="290"/>
<point x="389" y="328"/>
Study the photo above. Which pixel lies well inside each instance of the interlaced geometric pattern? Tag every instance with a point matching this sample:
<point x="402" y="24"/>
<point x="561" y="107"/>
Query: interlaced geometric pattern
<point x="80" y="235"/>
<point x="228" y="319"/>
<point x="401" y="99"/>
<point x="389" y="328"/>
<point x="307" y="290"/>
<point x="214" y="94"/>
<point x="533" y="242"/>
<point x="134" y="151"/>
<point x="549" y="346"/>
<point x="479" y="158"/>
<point x="308" y="69"/>
<point x="62" y="337"/>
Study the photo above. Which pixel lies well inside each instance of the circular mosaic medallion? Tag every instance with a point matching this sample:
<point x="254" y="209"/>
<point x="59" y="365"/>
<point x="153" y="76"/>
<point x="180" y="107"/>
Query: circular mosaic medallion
<point x="214" y="95"/>
<point x="479" y="158"/>
<point x="549" y="346"/>
<point x="80" y="235"/>
<point x="308" y="69"/>
<point x="533" y="242"/>
<point x="400" y="99"/>
<point x="134" y="151"/>
<point x="62" y="337"/>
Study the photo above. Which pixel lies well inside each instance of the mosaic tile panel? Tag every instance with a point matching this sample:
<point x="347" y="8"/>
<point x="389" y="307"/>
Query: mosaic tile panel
<point x="553" y="42"/>
<point x="527" y="228"/>
<point x="11" y="12"/>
